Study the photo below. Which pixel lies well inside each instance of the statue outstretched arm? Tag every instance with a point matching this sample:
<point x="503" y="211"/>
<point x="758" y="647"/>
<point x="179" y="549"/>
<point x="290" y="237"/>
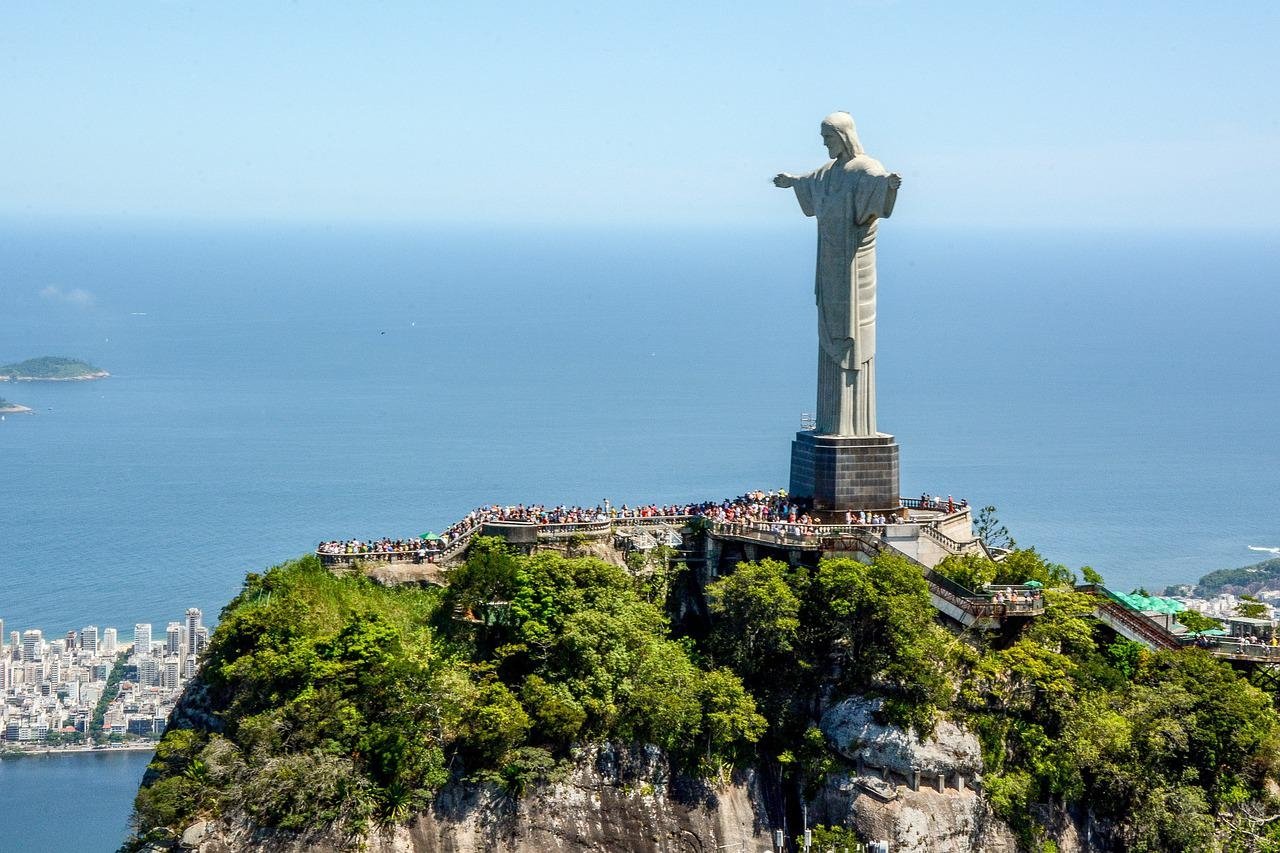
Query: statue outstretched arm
<point x="804" y="195"/>
<point x="891" y="195"/>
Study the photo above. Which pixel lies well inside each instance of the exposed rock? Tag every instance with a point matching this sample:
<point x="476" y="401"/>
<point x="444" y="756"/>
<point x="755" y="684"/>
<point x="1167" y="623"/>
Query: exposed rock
<point x="1075" y="830"/>
<point x="194" y="834"/>
<point x="916" y="794"/>
<point x="853" y="730"/>
<point x="923" y="821"/>
<point x="627" y="800"/>
<point x="613" y="801"/>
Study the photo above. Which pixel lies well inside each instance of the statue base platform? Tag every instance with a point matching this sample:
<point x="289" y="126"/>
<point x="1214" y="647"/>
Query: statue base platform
<point x="838" y="472"/>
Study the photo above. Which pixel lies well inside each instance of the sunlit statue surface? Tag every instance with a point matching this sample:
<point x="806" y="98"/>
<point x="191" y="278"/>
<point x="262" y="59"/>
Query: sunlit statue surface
<point x="848" y="194"/>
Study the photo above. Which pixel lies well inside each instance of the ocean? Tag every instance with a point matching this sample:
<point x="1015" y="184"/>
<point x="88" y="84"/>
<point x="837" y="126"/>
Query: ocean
<point x="1115" y="395"/>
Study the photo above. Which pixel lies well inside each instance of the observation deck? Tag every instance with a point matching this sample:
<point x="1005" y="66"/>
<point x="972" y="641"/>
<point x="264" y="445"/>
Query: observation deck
<point x="924" y="532"/>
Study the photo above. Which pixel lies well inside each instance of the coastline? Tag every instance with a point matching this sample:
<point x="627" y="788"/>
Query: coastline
<point x="6" y="754"/>
<point x="83" y="377"/>
<point x="15" y="409"/>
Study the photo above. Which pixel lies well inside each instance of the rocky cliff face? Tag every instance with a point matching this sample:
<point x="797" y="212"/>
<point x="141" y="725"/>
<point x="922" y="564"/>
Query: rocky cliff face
<point x="922" y="796"/>
<point x="613" y="801"/>
<point x="919" y="795"/>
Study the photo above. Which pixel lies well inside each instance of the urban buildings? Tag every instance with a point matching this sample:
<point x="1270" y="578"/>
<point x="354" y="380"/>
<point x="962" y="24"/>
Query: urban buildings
<point x="50" y="691"/>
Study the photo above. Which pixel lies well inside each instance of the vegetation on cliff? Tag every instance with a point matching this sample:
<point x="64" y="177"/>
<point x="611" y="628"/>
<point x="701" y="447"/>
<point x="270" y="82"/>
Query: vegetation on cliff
<point x="50" y="367"/>
<point x="331" y="702"/>
<point x="1172" y="750"/>
<point x="797" y="634"/>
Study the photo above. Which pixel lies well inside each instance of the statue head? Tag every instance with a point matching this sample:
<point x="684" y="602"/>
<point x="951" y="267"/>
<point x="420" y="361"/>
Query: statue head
<point x="840" y="136"/>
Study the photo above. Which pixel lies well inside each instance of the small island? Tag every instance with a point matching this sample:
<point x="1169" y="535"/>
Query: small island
<point x="51" y="368"/>
<point x="10" y="408"/>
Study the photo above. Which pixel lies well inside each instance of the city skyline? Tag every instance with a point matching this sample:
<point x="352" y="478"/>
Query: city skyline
<point x="55" y="692"/>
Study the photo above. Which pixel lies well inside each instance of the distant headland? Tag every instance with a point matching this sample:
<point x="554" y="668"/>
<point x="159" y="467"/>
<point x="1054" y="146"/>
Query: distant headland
<point x="50" y="368"/>
<point x="10" y="408"/>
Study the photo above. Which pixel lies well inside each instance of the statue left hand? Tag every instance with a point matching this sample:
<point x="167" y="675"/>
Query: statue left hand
<point x="895" y="181"/>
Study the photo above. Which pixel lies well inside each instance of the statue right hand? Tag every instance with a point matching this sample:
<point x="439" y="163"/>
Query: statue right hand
<point x="782" y="179"/>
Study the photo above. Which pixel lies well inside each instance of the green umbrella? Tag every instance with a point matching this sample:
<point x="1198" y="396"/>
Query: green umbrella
<point x="1035" y="584"/>
<point x="430" y="537"/>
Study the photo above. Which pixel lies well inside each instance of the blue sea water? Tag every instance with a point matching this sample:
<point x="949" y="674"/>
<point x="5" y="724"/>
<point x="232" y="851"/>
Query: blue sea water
<point x="68" y="803"/>
<point x="1117" y="396"/>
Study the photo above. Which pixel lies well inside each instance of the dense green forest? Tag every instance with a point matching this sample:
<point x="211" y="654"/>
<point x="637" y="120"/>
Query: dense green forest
<point x="1254" y="578"/>
<point x="346" y="703"/>
<point x="333" y="702"/>
<point x="48" y="367"/>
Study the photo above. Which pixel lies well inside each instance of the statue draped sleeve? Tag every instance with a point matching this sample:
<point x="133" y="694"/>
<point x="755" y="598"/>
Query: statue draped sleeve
<point x="804" y="187"/>
<point x="872" y="197"/>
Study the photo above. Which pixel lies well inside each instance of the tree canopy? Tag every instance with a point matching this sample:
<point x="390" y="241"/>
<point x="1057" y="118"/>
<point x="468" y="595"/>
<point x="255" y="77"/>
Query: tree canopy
<point x="48" y="367"/>
<point x="331" y="701"/>
<point x="341" y="703"/>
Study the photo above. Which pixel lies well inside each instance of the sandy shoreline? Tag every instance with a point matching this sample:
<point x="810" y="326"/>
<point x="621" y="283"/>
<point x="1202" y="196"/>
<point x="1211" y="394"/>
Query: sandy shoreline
<point x="14" y="409"/>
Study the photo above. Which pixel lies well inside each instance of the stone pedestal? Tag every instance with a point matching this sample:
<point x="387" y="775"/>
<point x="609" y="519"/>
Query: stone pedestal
<point x="845" y="472"/>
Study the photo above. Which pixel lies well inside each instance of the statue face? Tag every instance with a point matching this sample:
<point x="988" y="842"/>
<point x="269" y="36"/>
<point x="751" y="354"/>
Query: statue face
<point x="835" y="145"/>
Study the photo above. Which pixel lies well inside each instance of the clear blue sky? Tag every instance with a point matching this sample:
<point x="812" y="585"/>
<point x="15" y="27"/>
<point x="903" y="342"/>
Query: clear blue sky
<point x="1115" y="114"/>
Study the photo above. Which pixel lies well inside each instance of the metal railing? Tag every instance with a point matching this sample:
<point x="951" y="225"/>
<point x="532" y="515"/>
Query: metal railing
<point x="952" y="592"/>
<point x="1016" y="599"/>
<point x="933" y="506"/>
<point x="350" y="559"/>
<point x="789" y="535"/>
<point x="652" y="520"/>
<point x="1112" y="606"/>
<point x="1234" y="648"/>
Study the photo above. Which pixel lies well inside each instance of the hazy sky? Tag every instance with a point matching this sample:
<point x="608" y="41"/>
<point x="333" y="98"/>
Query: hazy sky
<point x="1112" y="114"/>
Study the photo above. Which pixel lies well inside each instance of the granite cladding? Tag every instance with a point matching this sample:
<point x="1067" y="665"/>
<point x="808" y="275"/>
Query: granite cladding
<point x="845" y="472"/>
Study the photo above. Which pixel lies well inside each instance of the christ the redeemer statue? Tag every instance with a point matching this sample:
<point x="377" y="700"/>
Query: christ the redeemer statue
<point x="848" y="194"/>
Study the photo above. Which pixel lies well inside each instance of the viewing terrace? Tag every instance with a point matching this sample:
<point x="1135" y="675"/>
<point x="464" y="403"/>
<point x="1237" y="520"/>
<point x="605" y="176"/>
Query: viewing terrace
<point x="934" y="521"/>
<point x="923" y="530"/>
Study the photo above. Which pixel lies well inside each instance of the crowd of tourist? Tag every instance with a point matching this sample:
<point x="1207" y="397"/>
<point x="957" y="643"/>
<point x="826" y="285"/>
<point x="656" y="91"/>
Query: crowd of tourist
<point x="372" y="546"/>
<point x="1017" y="597"/>
<point x="1271" y="646"/>
<point x="941" y="504"/>
<point x="773" y="509"/>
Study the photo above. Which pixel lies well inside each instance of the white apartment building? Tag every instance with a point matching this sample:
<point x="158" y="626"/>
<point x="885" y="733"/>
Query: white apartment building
<point x="194" y="621"/>
<point x="32" y="645"/>
<point x="142" y="638"/>
<point x="173" y="639"/>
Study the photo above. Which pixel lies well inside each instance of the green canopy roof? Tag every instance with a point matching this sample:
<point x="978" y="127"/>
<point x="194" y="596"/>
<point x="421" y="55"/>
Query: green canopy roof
<point x="1148" y="603"/>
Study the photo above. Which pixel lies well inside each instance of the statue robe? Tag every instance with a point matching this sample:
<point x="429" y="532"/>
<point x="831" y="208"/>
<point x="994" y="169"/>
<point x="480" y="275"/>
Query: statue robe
<point x="847" y="197"/>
